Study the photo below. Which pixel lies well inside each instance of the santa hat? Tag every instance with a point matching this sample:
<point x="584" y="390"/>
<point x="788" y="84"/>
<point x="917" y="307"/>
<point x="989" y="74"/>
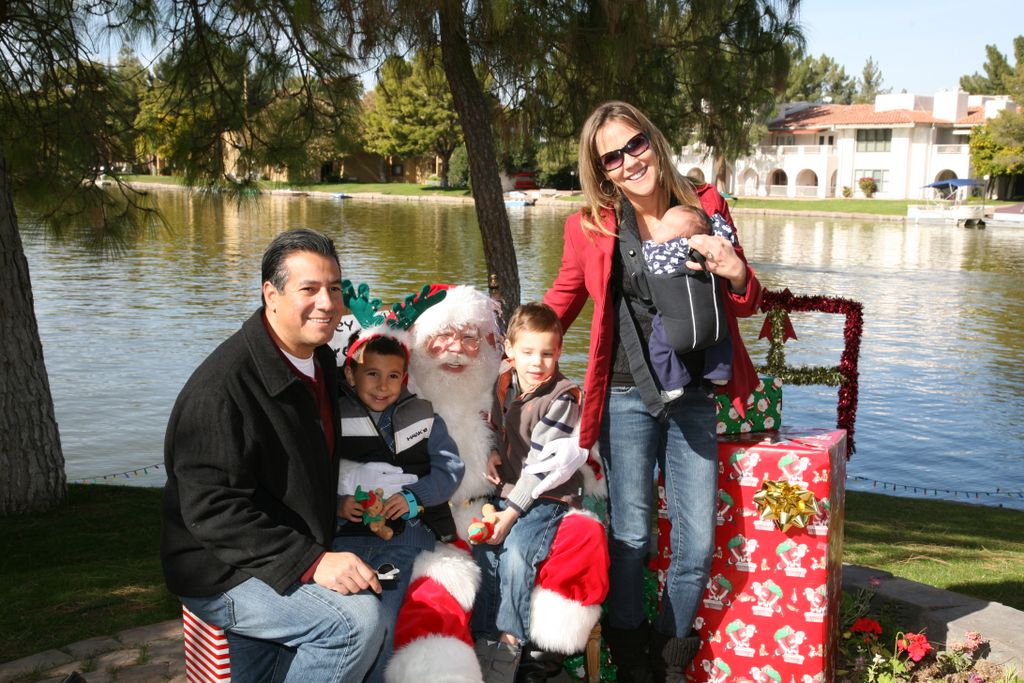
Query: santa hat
<point x="571" y="585"/>
<point x="432" y="636"/>
<point x="462" y="305"/>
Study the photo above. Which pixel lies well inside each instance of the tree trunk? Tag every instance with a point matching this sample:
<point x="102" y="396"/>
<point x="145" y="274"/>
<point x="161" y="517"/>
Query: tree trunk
<point x="721" y="172"/>
<point x="475" y="117"/>
<point x="31" y="462"/>
<point x="446" y="158"/>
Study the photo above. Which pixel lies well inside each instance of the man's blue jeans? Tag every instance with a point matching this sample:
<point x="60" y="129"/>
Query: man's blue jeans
<point x="328" y="637"/>
<point x="683" y="444"/>
<point x="509" y="571"/>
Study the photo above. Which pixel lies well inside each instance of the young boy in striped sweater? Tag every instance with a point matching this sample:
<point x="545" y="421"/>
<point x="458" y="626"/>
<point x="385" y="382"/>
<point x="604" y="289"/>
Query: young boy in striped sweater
<point x="535" y="405"/>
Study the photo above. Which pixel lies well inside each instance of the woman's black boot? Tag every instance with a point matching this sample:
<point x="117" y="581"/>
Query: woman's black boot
<point x="538" y="666"/>
<point x="628" y="647"/>
<point x="670" y="656"/>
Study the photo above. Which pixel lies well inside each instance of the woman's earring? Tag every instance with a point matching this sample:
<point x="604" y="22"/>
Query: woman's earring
<point x="607" y="188"/>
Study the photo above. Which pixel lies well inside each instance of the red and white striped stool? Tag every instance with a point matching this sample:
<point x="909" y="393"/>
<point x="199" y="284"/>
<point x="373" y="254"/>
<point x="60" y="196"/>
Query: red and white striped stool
<point x="206" y="650"/>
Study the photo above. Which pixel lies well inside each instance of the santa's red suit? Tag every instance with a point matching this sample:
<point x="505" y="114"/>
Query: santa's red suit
<point x="432" y="636"/>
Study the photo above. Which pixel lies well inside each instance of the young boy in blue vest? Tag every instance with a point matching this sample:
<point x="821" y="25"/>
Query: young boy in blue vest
<point x="384" y="427"/>
<point x="535" y="406"/>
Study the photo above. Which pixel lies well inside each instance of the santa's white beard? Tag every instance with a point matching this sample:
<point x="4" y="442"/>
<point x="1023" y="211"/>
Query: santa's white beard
<point x="462" y="399"/>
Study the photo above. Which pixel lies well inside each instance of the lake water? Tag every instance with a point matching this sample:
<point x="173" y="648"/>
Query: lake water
<point x="941" y="365"/>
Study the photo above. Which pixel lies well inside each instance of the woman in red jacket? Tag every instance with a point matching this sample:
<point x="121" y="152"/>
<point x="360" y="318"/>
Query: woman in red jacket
<point x="629" y="181"/>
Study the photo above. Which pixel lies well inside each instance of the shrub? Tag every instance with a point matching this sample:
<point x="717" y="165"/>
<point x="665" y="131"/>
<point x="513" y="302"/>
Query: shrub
<point x="868" y="186"/>
<point x="458" y="168"/>
<point x="847" y="191"/>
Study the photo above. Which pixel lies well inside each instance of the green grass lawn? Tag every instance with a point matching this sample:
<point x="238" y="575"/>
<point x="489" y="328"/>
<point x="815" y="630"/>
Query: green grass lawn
<point x="878" y="207"/>
<point x="89" y="568"/>
<point x="403" y="189"/>
<point x="970" y="549"/>
<point x="92" y="567"/>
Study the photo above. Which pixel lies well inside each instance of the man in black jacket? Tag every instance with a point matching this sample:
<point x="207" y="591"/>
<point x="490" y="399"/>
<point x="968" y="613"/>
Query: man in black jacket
<point x="252" y="465"/>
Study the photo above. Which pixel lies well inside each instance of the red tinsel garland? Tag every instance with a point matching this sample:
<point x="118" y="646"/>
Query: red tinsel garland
<point x="846" y="411"/>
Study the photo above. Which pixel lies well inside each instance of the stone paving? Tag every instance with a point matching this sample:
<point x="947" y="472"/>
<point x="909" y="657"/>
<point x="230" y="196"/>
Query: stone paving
<point x="138" y="655"/>
<point x="156" y="653"/>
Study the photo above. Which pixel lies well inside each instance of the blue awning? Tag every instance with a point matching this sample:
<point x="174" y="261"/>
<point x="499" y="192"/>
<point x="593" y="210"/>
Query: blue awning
<point x="956" y="182"/>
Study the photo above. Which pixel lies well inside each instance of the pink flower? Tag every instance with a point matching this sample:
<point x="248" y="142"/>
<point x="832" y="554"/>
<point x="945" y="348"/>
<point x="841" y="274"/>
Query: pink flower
<point x="974" y="641"/>
<point x="976" y="677"/>
<point x="874" y="582"/>
<point x="914" y="644"/>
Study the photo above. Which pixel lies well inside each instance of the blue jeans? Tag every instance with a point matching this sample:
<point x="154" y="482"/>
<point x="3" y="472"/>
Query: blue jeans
<point x="308" y="634"/>
<point x="509" y="571"/>
<point x="683" y="444"/>
<point x="375" y="551"/>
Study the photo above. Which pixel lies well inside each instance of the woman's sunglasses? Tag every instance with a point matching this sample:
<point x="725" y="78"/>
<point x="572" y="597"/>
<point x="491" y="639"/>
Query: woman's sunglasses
<point x="637" y="145"/>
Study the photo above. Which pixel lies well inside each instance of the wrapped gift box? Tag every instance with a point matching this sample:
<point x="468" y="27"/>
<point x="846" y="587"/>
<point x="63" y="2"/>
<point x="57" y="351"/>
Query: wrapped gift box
<point x="771" y="609"/>
<point x="763" y="409"/>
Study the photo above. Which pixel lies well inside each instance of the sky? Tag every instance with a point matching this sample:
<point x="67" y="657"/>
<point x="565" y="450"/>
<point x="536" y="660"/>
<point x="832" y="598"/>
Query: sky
<point x="923" y="47"/>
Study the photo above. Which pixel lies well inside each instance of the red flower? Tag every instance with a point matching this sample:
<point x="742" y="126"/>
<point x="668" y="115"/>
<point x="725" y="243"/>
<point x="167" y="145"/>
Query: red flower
<point x="865" y="625"/>
<point x="914" y="644"/>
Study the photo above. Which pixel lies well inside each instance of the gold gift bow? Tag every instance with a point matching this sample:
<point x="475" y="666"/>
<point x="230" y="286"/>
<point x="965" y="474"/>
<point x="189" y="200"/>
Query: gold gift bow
<point x="787" y="505"/>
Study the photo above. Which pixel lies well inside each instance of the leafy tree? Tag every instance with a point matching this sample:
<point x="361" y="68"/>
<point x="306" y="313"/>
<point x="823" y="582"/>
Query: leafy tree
<point x="697" y="68"/>
<point x="997" y="148"/>
<point x="412" y="112"/>
<point x="66" y="116"/>
<point x="870" y="83"/>
<point x="813" y="79"/>
<point x="999" y="78"/>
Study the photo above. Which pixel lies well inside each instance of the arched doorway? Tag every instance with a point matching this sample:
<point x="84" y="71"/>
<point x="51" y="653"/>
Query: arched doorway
<point x="778" y="183"/>
<point x="807" y="183"/>
<point x="748" y="183"/>
<point x="945" y="175"/>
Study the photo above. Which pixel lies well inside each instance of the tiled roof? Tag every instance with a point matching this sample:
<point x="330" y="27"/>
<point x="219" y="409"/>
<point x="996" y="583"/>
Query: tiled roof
<point x="822" y="116"/>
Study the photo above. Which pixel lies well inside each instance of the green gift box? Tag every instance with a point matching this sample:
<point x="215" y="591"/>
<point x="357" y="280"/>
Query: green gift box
<point x="763" y="409"/>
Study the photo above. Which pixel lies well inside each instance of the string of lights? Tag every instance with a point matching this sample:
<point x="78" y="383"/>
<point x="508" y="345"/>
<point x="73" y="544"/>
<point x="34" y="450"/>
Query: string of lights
<point x="128" y="474"/>
<point x="935" y="490"/>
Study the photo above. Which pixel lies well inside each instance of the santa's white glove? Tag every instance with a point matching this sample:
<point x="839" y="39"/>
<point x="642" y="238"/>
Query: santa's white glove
<point x="372" y="475"/>
<point x="561" y="459"/>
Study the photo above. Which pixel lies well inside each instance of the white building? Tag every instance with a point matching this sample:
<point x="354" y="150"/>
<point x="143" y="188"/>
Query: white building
<point x="903" y="141"/>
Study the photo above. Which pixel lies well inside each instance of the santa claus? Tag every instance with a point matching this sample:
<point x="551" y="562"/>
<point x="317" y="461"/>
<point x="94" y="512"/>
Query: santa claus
<point x="456" y="353"/>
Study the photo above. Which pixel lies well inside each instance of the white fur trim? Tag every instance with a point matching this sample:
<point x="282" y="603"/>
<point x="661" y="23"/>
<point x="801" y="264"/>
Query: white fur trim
<point x="454" y="569"/>
<point x="558" y="624"/>
<point x="593" y="486"/>
<point x="434" y="658"/>
<point x="461" y="305"/>
<point x="584" y="513"/>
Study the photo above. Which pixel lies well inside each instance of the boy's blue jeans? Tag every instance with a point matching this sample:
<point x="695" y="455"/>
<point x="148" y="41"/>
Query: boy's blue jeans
<point x="375" y="551"/>
<point x="308" y="634"/>
<point x="508" y="571"/>
<point x="684" y="445"/>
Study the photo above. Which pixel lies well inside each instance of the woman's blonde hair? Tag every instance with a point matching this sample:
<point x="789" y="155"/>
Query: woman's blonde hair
<point x="600" y="193"/>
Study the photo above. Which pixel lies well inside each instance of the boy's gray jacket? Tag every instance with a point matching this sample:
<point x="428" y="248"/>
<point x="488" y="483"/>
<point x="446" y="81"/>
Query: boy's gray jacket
<point x="412" y="421"/>
<point x="250" y="485"/>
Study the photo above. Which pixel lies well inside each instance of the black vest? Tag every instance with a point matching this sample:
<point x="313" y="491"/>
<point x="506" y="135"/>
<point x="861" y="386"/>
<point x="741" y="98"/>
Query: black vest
<point x="361" y="441"/>
<point x="691" y="303"/>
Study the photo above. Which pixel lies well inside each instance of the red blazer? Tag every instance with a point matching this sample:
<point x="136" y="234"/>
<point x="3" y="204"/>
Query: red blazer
<point x="586" y="272"/>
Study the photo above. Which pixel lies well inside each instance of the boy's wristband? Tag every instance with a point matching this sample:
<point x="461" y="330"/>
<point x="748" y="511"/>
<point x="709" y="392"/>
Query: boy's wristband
<point x="414" y="507"/>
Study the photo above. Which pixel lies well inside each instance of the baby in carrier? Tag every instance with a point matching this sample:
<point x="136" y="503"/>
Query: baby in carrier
<point x="690" y="334"/>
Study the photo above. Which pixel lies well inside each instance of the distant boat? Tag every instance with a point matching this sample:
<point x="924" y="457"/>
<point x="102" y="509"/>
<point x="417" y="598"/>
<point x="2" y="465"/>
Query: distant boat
<point x="1011" y="213"/>
<point x="951" y="208"/>
<point x="519" y="199"/>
